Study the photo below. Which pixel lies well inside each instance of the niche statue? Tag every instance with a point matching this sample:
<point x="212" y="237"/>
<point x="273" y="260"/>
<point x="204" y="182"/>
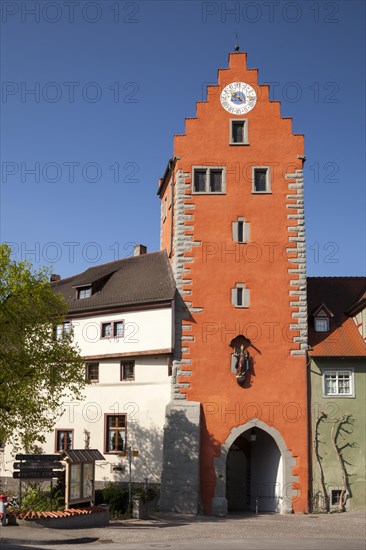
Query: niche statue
<point x="242" y="365"/>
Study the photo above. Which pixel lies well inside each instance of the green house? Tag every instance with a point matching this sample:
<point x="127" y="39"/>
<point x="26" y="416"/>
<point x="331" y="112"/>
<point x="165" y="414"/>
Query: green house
<point x="337" y="366"/>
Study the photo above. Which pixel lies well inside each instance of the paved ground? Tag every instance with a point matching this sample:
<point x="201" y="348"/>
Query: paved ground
<point x="299" y="532"/>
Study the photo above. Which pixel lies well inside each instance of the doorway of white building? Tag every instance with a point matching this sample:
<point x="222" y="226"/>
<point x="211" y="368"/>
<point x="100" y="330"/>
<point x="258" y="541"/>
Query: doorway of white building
<point x="254" y="476"/>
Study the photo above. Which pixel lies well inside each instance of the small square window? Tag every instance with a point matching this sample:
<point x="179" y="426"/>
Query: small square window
<point x="92" y="372"/>
<point x="338" y="383"/>
<point x="238" y="132"/>
<point x="321" y="324"/>
<point x="64" y="440"/>
<point x="208" y="179"/>
<point x="84" y="292"/>
<point x="127" y="370"/>
<point x="335" y="495"/>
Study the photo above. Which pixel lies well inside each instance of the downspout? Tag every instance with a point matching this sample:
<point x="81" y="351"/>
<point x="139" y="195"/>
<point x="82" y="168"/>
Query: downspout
<point x="309" y="432"/>
<point x="172" y="212"/>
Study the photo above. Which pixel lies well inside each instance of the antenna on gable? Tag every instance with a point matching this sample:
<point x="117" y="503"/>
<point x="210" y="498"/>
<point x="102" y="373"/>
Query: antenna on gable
<point x="237" y="48"/>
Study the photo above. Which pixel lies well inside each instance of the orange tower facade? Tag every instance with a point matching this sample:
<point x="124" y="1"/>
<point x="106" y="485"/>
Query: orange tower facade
<point x="232" y="222"/>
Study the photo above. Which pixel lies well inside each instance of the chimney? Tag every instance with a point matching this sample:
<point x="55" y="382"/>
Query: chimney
<point x="139" y="250"/>
<point x="55" y="278"/>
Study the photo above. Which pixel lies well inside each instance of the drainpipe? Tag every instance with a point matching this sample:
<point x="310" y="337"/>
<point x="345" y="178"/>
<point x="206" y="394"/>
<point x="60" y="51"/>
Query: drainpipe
<point x="309" y="431"/>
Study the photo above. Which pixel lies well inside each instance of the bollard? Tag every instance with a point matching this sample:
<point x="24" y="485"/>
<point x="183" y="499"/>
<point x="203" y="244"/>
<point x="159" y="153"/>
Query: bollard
<point x="3" y="501"/>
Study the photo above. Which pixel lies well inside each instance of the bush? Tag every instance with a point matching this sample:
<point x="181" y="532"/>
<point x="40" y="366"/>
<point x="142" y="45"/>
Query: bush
<point x="114" y="496"/>
<point x="34" y="498"/>
<point x="150" y="494"/>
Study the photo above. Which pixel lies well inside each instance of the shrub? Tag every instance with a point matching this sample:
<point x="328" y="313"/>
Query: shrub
<point x="114" y="496"/>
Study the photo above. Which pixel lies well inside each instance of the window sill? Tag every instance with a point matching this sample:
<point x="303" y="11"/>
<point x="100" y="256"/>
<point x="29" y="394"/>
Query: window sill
<point x="113" y="452"/>
<point x="239" y="143"/>
<point x="338" y="396"/>
<point x="112" y="337"/>
<point x="261" y="192"/>
<point x="208" y="192"/>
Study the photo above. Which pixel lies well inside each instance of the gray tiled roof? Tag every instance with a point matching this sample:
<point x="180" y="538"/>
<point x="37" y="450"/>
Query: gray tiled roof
<point x="133" y="281"/>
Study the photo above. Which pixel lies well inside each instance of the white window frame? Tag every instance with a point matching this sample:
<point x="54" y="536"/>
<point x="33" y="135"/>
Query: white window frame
<point x="245" y="131"/>
<point x="208" y="170"/>
<point x="268" y="180"/>
<point x="84" y="292"/>
<point x="317" y="319"/>
<point x="245" y="296"/>
<point x="339" y="371"/>
<point x="235" y="230"/>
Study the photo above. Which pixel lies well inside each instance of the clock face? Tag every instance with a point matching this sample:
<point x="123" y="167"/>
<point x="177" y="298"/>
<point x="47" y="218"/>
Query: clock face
<point x="238" y="98"/>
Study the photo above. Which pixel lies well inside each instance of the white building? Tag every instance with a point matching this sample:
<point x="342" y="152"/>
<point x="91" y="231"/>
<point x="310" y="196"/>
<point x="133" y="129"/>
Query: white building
<point x="121" y="315"/>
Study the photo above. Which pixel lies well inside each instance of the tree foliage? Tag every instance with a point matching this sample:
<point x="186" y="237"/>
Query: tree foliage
<point x="37" y="371"/>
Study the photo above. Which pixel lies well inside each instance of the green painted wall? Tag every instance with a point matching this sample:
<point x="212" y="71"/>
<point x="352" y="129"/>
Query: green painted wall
<point x="351" y="437"/>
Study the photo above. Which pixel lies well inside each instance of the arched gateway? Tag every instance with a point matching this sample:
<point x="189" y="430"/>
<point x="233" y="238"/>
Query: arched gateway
<point x="254" y="469"/>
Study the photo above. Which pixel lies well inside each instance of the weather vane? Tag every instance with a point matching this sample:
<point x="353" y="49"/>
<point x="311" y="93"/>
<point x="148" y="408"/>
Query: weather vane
<point x="236" y="45"/>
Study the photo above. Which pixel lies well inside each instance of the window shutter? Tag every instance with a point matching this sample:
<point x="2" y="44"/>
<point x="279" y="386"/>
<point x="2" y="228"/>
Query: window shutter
<point x="246" y="232"/>
<point x="246" y="297"/>
<point x="234" y="227"/>
<point x="233" y="296"/>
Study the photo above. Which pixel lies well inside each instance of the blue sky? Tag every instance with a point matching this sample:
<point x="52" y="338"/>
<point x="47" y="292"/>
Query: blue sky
<point x="114" y="80"/>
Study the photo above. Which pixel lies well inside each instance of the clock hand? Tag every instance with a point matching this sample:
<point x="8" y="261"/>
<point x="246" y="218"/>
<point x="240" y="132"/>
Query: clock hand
<point x="234" y="94"/>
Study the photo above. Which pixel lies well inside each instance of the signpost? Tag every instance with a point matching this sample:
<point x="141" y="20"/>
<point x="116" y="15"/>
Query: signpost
<point x="129" y="452"/>
<point x="37" y="467"/>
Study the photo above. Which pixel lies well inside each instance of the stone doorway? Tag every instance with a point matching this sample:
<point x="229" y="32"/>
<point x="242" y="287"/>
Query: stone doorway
<point x="249" y="471"/>
<point x="254" y="473"/>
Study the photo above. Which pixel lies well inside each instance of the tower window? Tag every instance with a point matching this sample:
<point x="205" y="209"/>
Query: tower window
<point x="240" y="296"/>
<point x="261" y="180"/>
<point x="208" y="179"/>
<point x="215" y="181"/>
<point x="240" y="230"/>
<point x="238" y="132"/>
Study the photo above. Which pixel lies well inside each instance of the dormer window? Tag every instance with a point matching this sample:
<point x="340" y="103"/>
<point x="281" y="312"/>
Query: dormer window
<point x="321" y="324"/>
<point x="321" y="317"/>
<point x="84" y="292"/>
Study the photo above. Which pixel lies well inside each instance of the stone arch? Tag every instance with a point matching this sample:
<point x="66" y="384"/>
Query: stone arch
<point x="219" y="506"/>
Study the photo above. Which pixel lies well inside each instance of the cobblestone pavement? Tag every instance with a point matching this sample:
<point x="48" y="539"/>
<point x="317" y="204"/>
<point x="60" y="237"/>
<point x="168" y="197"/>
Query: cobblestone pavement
<point x="165" y="530"/>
